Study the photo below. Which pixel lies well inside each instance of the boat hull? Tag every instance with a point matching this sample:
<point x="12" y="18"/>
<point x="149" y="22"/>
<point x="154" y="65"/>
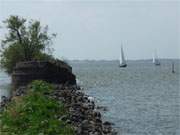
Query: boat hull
<point x="123" y="65"/>
<point x="157" y="64"/>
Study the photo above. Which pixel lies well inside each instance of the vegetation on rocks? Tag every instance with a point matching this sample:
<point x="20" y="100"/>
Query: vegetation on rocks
<point x="35" y="113"/>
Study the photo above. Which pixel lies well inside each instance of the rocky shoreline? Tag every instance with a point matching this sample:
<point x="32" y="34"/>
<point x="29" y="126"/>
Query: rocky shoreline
<point x="83" y="114"/>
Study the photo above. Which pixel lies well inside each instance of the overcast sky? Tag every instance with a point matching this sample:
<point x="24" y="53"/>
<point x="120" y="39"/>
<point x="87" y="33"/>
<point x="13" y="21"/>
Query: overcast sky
<point x="96" y="29"/>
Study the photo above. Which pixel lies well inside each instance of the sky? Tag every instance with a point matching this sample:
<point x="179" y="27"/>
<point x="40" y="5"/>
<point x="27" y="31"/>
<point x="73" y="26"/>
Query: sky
<point x="96" y="29"/>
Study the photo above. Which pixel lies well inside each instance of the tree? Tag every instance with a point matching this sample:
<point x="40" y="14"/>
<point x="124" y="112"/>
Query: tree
<point x="25" y="41"/>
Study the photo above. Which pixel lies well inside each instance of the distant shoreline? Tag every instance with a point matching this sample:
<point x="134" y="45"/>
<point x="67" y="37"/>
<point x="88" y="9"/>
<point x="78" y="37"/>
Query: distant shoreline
<point x="92" y="60"/>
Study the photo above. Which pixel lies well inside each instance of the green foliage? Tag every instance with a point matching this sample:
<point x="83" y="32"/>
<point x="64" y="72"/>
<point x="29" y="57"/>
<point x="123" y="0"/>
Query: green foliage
<point x="41" y="86"/>
<point x="11" y="55"/>
<point x="44" y="57"/>
<point x="25" y="41"/>
<point x="34" y="114"/>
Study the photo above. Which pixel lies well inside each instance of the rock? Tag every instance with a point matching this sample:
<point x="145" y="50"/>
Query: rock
<point x="68" y="121"/>
<point x="63" y="118"/>
<point x="107" y="127"/>
<point x="85" y="123"/>
<point x="79" y="131"/>
<point x="98" y="121"/>
<point x="57" y="73"/>
<point x="106" y="123"/>
<point x="81" y="113"/>
<point x="102" y="108"/>
<point x="97" y="114"/>
<point x="78" y="87"/>
<point x="4" y="101"/>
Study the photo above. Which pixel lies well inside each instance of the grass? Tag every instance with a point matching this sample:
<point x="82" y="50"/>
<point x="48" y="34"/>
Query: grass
<point x="34" y="114"/>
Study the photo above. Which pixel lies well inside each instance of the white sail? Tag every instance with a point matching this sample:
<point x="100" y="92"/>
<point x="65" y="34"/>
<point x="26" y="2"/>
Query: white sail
<point x="122" y="58"/>
<point x="155" y="59"/>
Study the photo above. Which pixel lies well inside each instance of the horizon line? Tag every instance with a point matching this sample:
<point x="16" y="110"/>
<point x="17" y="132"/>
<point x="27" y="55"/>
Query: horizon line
<point x="118" y="59"/>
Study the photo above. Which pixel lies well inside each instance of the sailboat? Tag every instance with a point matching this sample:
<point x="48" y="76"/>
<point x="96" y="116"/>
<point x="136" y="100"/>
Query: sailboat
<point x="155" y="60"/>
<point x="122" y="61"/>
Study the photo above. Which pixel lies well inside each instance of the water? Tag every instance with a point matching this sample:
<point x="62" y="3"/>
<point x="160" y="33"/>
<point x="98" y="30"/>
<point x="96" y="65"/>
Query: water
<point x="141" y="99"/>
<point x="4" y="84"/>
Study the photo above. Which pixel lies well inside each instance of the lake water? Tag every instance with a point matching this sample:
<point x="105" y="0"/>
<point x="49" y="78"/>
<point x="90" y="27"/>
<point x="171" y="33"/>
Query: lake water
<point x="4" y="84"/>
<point x="141" y="99"/>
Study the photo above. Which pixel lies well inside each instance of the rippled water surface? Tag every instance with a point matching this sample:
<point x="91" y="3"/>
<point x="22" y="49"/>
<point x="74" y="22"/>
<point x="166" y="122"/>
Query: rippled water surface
<point x="141" y="99"/>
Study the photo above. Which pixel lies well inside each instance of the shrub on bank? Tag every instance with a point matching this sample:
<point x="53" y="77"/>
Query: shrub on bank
<point x="34" y="114"/>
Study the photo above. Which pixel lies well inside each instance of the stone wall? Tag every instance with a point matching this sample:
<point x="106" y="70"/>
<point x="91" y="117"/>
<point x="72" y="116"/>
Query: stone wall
<point x="53" y="72"/>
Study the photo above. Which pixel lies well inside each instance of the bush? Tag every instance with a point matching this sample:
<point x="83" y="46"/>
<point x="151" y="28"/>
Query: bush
<point x="35" y="114"/>
<point x="10" y="56"/>
<point x="25" y="41"/>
